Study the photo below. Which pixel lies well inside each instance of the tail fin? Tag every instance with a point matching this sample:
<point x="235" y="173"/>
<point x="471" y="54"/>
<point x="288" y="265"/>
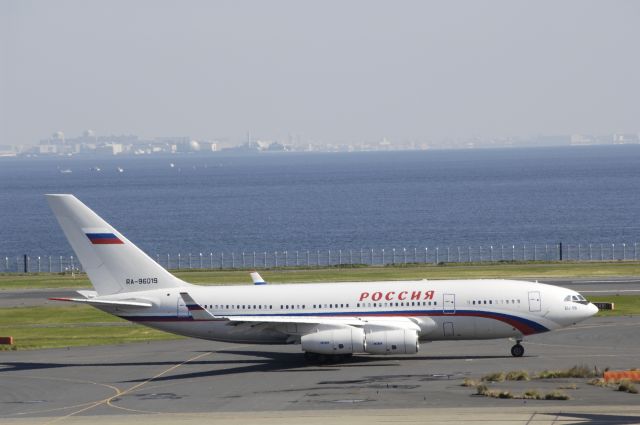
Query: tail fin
<point x="112" y="263"/>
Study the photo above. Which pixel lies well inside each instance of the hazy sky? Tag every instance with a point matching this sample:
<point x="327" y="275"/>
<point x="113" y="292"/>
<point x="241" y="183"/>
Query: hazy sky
<point x="328" y="70"/>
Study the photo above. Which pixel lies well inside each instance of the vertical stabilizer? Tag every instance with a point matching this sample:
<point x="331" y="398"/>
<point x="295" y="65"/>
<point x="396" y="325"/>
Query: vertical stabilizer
<point x="112" y="262"/>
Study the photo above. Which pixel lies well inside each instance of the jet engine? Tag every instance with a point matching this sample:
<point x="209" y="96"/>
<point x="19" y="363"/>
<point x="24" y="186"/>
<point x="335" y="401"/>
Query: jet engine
<point x="392" y="341"/>
<point x="343" y="340"/>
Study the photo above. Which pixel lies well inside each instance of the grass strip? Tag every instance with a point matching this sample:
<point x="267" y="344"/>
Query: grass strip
<point x="76" y="325"/>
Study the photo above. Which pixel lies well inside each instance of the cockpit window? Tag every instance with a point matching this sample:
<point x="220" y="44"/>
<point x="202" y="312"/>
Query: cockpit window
<point x="576" y="299"/>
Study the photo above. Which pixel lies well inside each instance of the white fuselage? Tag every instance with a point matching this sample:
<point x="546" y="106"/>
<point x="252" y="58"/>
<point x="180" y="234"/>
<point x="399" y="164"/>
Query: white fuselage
<point x="444" y="310"/>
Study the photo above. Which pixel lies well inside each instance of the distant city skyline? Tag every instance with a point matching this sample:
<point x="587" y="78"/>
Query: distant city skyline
<point x="326" y="73"/>
<point x="90" y="143"/>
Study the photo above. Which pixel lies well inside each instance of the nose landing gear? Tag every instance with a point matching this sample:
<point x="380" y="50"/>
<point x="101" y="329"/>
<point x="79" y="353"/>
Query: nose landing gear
<point x="517" y="350"/>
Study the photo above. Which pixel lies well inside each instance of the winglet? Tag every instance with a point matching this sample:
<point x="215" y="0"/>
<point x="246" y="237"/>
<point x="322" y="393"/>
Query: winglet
<point x="197" y="311"/>
<point x="257" y="279"/>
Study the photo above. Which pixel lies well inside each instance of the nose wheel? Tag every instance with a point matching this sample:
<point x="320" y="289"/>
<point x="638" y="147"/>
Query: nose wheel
<point x="517" y="350"/>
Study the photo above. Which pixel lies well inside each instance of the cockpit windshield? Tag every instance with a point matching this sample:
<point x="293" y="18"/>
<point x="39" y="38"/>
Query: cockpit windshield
<point x="576" y="299"/>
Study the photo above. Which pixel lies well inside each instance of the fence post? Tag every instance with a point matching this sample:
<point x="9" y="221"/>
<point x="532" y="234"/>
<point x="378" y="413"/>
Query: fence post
<point x="560" y="251"/>
<point x="579" y="251"/>
<point x="602" y="255"/>
<point x="613" y="251"/>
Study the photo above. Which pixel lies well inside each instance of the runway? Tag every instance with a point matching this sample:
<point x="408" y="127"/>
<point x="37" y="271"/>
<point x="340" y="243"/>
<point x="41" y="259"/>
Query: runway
<point x="195" y="381"/>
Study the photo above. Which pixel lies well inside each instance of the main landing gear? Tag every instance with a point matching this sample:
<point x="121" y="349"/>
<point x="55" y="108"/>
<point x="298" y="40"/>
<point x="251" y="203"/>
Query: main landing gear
<point x="517" y="350"/>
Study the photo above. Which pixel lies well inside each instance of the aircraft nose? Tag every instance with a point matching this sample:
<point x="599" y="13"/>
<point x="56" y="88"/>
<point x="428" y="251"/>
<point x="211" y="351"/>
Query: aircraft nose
<point x="592" y="309"/>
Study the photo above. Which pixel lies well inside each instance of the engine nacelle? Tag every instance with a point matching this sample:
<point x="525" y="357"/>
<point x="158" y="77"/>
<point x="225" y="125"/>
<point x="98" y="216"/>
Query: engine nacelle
<point x="392" y="341"/>
<point x="345" y="340"/>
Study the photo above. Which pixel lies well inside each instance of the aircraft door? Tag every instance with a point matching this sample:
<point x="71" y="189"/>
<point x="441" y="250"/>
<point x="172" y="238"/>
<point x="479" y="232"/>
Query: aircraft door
<point x="535" y="303"/>
<point x="449" y="303"/>
<point x="181" y="308"/>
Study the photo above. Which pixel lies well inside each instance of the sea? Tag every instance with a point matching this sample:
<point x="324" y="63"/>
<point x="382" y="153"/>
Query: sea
<point x="331" y="201"/>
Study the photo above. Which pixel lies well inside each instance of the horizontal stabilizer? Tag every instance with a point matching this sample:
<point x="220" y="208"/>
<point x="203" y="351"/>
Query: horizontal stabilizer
<point x="87" y="294"/>
<point x="93" y="301"/>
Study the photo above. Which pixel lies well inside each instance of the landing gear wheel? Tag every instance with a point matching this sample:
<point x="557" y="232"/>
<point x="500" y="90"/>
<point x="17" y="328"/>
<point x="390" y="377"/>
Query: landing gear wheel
<point x="517" y="350"/>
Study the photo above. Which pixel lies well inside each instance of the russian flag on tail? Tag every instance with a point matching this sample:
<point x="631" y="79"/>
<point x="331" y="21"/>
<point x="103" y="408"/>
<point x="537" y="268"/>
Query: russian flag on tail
<point x="103" y="239"/>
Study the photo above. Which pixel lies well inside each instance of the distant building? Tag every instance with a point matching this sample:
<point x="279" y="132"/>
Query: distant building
<point x="622" y="138"/>
<point x="581" y="140"/>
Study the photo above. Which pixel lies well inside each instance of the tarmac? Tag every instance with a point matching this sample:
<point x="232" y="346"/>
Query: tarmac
<point x="193" y="381"/>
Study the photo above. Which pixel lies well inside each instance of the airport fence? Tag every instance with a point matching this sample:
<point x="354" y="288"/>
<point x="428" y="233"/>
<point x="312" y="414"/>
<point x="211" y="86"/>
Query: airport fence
<point x="350" y="257"/>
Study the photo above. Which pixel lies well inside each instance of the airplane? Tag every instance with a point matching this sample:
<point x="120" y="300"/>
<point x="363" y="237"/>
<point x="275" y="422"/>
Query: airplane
<point x="330" y="321"/>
